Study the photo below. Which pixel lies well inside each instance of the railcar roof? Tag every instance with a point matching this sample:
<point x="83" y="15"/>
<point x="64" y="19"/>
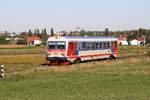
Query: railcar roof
<point x="83" y="38"/>
<point x="89" y="37"/>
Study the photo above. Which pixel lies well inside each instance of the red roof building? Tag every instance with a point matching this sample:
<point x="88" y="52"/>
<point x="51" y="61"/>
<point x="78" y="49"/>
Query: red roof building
<point x="31" y="39"/>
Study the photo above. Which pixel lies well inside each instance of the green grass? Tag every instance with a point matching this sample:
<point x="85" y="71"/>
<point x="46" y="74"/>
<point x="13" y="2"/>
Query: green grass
<point x="76" y="86"/>
<point x="100" y="80"/>
<point x="125" y="51"/>
<point x="126" y="78"/>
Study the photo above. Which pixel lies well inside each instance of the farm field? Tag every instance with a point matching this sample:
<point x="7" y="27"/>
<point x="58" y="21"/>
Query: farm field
<point x="125" y="78"/>
<point x="12" y="46"/>
<point x="20" y="50"/>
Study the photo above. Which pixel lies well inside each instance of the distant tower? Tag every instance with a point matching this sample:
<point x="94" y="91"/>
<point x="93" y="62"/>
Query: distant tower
<point x="52" y="32"/>
<point x="78" y="31"/>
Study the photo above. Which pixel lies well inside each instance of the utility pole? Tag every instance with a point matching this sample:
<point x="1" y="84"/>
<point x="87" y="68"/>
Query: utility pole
<point x="2" y="72"/>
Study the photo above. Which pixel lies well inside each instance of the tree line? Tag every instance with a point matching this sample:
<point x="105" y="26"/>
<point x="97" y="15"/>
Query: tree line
<point x="24" y="35"/>
<point x="42" y="34"/>
<point x="130" y="34"/>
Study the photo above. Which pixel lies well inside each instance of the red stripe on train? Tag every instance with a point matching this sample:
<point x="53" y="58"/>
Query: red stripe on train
<point x="91" y="55"/>
<point x="56" y="50"/>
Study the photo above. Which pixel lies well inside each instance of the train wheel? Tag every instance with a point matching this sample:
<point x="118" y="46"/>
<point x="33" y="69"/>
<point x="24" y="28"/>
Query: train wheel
<point x="59" y="63"/>
<point x="112" y="57"/>
<point x="48" y="62"/>
<point x="77" y="61"/>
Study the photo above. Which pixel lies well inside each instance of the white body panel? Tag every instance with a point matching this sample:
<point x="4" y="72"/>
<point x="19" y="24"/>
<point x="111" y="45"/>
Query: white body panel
<point x="94" y="52"/>
<point x="94" y="57"/>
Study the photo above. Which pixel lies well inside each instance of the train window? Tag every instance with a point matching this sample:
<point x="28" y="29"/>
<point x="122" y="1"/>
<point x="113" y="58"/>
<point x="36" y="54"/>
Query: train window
<point x="111" y="44"/>
<point x="93" y="45"/>
<point x="61" y="45"/>
<point x="80" y="45"/>
<point x="96" y="45"/>
<point x="77" y="46"/>
<point x="52" y="45"/>
<point x="108" y="44"/>
<point x="84" y="45"/>
<point x="88" y="45"/>
<point x="104" y="45"/>
<point x="100" y="45"/>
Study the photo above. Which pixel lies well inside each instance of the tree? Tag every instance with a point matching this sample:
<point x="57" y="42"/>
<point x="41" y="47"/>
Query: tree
<point x="21" y="42"/>
<point x="24" y="35"/>
<point x="106" y="33"/>
<point x="148" y="37"/>
<point x="45" y="32"/>
<point x="130" y="37"/>
<point x="35" y="31"/>
<point x="3" y="41"/>
<point x="38" y="31"/>
<point x="82" y="32"/>
<point x="142" y="32"/>
<point x="52" y="32"/>
<point x="42" y="31"/>
<point x="44" y="36"/>
<point x="30" y="32"/>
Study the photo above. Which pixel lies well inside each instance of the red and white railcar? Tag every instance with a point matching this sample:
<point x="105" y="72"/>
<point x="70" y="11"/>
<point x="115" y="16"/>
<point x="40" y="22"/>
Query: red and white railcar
<point x="73" y="49"/>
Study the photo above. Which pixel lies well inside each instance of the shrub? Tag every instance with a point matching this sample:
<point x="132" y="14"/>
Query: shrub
<point x="21" y="42"/>
<point x="148" y="53"/>
<point x="3" y="41"/>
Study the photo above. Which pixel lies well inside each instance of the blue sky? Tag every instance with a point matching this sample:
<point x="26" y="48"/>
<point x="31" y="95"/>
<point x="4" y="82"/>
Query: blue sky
<point x="21" y="15"/>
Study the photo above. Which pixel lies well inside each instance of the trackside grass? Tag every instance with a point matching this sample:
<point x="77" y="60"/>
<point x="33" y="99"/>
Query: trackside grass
<point x="12" y="46"/>
<point x="125" y="78"/>
<point x="22" y="59"/>
<point x="21" y="51"/>
<point x="100" y="80"/>
<point x="76" y="86"/>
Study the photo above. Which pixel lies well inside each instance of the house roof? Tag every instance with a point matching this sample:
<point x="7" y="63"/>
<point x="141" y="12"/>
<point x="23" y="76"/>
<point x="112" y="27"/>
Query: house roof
<point x="139" y="39"/>
<point x="32" y="38"/>
<point x="122" y="38"/>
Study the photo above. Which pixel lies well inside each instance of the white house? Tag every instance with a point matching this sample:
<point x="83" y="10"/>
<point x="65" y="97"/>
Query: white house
<point x="123" y="41"/>
<point x="37" y="42"/>
<point x="135" y="42"/>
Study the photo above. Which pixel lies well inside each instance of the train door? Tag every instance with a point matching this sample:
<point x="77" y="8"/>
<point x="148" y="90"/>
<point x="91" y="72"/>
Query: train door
<point x="115" y="46"/>
<point x="71" y="48"/>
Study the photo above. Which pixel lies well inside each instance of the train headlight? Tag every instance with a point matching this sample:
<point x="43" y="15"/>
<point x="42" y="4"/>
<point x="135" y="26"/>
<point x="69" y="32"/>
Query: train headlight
<point x="63" y="54"/>
<point x="49" y="53"/>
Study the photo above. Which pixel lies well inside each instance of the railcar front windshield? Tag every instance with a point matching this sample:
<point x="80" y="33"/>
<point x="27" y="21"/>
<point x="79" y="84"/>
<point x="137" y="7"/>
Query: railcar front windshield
<point x="56" y="45"/>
